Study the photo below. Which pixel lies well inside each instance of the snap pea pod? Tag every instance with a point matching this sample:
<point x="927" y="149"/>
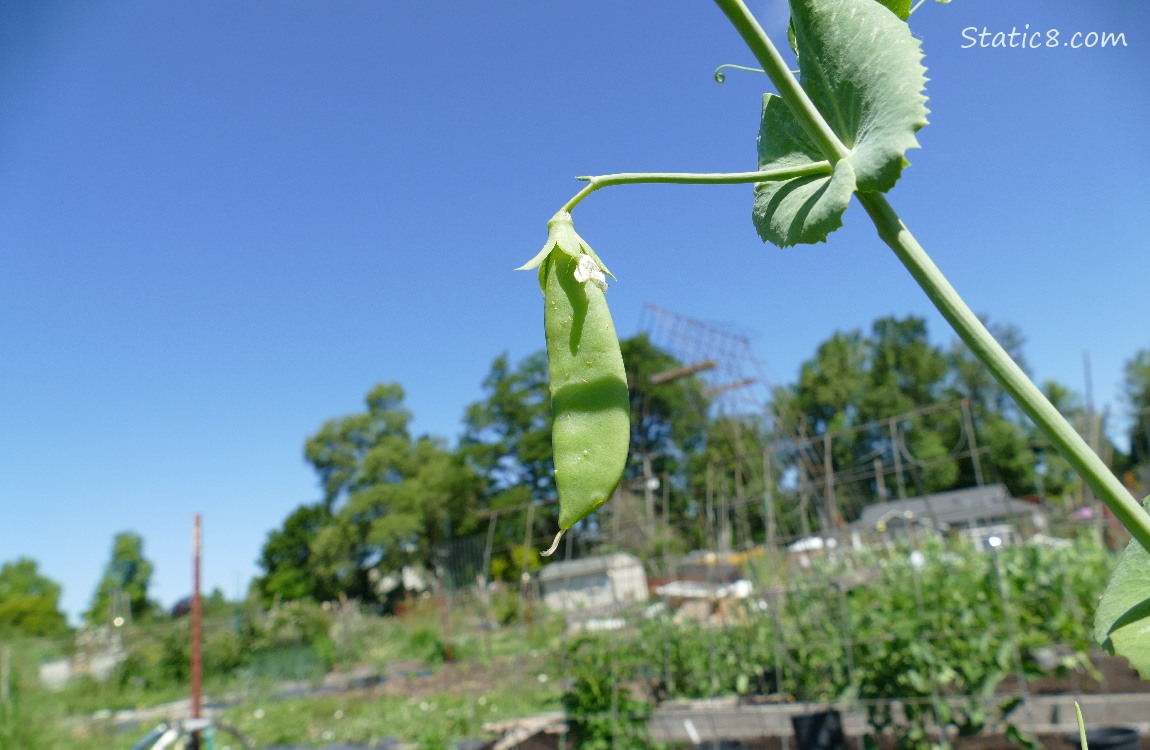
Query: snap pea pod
<point x="589" y="401"/>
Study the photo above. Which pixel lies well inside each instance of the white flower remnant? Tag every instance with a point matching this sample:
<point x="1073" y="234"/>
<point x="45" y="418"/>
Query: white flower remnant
<point x="588" y="270"/>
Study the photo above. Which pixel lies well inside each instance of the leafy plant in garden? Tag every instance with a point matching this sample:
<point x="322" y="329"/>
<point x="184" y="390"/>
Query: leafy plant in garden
<point x="939" y="636"/>
<point x="602" y="712"/>
<point x="841" y="129"/>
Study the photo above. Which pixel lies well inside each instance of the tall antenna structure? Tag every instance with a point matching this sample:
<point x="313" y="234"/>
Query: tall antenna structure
<point x="738" y="393"/>
<point x="774" y="469"/>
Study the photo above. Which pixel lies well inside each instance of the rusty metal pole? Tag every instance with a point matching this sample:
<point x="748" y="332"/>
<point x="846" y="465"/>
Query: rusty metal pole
<point x="197" y="623"/>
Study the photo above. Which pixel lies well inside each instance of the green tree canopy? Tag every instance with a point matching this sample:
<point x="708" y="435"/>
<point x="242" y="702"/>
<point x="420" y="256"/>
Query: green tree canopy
<point x="890" y="398"/>
<point x="851" y="389"/>
<point x="1136" y="394"/>
<point x="668" y="408"/>
<point x="507" y="435"/>
<point x="29" y="601"/>
<point x="288" y="560"/>
<point x="388" y="500"/>
<point x="123" y="590"/>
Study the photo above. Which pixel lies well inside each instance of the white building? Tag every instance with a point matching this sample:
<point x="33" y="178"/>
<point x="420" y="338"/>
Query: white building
<point x="594" y="584"/>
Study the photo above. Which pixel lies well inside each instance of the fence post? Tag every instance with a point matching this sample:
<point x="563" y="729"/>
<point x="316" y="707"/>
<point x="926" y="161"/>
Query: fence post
<point x="5" y="674"/>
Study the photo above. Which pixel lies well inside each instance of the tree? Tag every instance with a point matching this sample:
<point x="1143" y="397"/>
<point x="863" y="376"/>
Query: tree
<point x="970" y="379"/>
<point x="1136" y="394"/>
<point x="728" y="474"/>
<point x="507" y="435"/>
<point x="123" y="591"/>
<point x="288" y="560"/>
<point x="29" y="601"/>
<point x="338" y="450"/>
<point x="905" y="371"/>
<point x="830" y="387"/>
<point x="1009" y="447"/>
<point x="388" y="500"/>
<point x="668" y="409"/>
<point x="868" y="390"/>
<point x="867" y="394"/>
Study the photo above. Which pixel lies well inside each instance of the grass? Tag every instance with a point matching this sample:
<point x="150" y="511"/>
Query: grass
<point x="483" y="684"/>
<point x="429" y="720"/>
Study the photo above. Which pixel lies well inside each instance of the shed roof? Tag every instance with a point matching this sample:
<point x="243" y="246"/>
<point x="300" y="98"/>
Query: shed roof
<point x="953" y="508"/>
<point x="588" y="566"/>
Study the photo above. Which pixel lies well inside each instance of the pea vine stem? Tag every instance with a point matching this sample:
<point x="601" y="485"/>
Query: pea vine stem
<point x="944" y="297"/>
<point x="785" y="82"/>
<point x="695" y="178"/>
<point x="1031" y="400"/>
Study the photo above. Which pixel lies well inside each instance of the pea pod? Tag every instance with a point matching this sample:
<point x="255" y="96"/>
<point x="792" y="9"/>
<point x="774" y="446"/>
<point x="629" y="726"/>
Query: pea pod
<point x="589" y="403"/>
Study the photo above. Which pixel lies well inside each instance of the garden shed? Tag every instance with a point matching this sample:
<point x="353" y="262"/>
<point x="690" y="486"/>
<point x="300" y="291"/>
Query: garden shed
<point x="974" y="512"/>
<point x="597" y="584"/>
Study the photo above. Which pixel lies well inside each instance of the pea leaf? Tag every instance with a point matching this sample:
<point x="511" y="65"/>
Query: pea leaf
<point x="863" y="70"/>
<point x="1122" y="622"/>
<point x="900" y="8"/>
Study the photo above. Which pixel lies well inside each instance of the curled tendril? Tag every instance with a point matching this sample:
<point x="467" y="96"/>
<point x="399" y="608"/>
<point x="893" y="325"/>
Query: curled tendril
<point x="721" y="77"/>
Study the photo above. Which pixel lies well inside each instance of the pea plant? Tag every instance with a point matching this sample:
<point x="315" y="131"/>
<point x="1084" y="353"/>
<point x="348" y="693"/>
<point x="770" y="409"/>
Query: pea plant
<point x="840" y="129"/>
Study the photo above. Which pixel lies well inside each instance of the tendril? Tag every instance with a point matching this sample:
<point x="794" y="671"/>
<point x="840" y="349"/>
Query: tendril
<point x="720" y="77"/>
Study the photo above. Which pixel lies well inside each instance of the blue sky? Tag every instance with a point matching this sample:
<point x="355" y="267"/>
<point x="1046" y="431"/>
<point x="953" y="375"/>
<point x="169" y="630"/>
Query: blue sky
<point x="221" y="223"/>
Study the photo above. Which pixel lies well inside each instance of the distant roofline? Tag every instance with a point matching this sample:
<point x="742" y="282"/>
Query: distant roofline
<point x="950" y="507"/>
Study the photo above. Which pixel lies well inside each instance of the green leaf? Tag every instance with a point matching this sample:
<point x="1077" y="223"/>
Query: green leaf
<point x="863" y="70"/>
<point x="1122" y="622"/>
<point x="805" y="209"/>
<point x="900" y="8"/>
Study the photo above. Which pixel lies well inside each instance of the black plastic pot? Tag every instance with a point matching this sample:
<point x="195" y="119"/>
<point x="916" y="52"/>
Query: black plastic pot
<point x="1107" y="738"/>
<point x="824" y="731"/>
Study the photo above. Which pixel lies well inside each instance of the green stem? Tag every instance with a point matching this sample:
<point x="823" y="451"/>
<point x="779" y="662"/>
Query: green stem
<point x="1031" y="400"/>
<point x="969" y="328"/>
<point x="785" y="83"/>
<point x="720" y="77"/>
<point x="696" y="178"/>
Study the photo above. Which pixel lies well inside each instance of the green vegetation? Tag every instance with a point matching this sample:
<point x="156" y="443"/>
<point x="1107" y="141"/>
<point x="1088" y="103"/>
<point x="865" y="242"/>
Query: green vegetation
<point x="938" y="635"/>
<point x="392" y="504"/>
<point x="428" y="720"/>
<point x="29" y="602"/>
<point x="390" y="500"/>
<point x="249" y="660"/>
<point x="840" y="131"/>
<point x="286" y="634"/>
<point x="123" y="591"/>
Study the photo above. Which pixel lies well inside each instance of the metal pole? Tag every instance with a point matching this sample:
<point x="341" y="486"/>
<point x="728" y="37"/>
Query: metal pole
<point x="5" y="673"/>
<point x="445" y="609"/>
<point x="894" y="447"/>
<point x="710" y="509"/>
<point x="768" y="505"/>
<point x="829" y="486"/>
<point x="970" y="436"/>
<point x="524" y="574"/>
<point x="197" y="621"/>
<point x="485" y="580"/>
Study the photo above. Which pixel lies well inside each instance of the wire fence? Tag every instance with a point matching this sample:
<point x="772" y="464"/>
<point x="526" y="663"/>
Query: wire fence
<point x="915" y="630"/>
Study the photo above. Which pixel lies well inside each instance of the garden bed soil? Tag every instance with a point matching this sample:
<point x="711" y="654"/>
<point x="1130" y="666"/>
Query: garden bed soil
<point x="1116" y="675"/>
<point x="978" y="742"/>
<point x="416" y="679"/>
<point x="546" y="741"/>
